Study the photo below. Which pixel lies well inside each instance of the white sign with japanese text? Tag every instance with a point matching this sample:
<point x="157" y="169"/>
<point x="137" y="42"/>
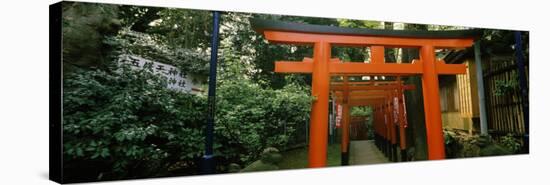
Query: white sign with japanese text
<point x="177" y="80"/>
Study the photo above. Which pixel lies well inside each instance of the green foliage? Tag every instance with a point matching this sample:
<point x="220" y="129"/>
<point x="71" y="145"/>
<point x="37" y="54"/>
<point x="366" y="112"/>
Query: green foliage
<point x="297" y="158"/>
<point x="129" y="121"/>
<point x="361" y="111"/>
<point x="365" y="112"/>
<point x="355" y="54"/>
<point x="459" y="144"/>
<point x="181" y="28"/>
<point x="493" y="150"/>
<point x="510" y="143"/>
<point x="194" y="61"/>
<point x="246" y="54"/>
<point x="84" y="27"/>
<point x="251" y="118"/>
<point x="268" y="161"/>
<point x="504" y="87"/>
<point x="359" y="23"/>
<point x="452" y="144"/>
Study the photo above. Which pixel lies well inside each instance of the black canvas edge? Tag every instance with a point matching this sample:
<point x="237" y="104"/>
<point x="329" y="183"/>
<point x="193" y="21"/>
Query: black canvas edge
<point x="55" y="90"/>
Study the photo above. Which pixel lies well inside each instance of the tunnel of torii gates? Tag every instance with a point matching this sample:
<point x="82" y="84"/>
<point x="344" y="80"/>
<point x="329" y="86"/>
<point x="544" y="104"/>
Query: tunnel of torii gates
<point x="388" y="103"/>
<point x="322" y="66"/>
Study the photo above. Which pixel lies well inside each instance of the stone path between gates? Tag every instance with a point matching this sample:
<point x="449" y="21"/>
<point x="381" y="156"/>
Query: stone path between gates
<point x="365" y="152"/>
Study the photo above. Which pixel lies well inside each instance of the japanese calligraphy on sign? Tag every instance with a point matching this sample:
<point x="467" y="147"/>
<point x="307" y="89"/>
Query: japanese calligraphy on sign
<point x="177" y="80"/>
<point x="338" y="115"/>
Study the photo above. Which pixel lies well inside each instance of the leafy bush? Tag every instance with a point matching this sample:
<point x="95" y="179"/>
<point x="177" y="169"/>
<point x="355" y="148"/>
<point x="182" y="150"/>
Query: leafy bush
<point x="251" y="118"/>
<point x="452" y="144"/>
<point x="194" y="61"/>
<point x="125" y="123"/>
<point x="510" y="143"/>
<point x="459" y="144"/>
<point x="365" y="112"/>
<point x="493" y="150"/>
<point x="505" y="87"/>
<point x="129" y="123"/>
<point x="120" y="123"/>
<point x="361" y="111"/>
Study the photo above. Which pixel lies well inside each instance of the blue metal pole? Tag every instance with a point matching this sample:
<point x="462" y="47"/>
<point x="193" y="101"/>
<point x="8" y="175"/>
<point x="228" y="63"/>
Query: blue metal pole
<point x="523" y="86"/>
<point x="208" y="166"/>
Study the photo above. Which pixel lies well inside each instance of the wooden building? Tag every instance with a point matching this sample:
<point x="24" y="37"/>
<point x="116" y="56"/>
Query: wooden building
<point x="459" y="97"/>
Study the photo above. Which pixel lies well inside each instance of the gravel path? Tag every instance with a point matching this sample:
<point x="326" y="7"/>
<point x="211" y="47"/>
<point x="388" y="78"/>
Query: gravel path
<point x="365" y="152"/>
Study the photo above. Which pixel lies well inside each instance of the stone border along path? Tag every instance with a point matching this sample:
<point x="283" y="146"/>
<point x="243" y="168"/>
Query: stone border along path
<point x="365" y="152"/>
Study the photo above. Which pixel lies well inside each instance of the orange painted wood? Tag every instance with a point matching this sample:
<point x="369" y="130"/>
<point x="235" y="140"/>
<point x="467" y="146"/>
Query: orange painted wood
<point x="345" y="127"/>
<point x="372" y="82"/>
<point x="376" y="69"/>
<point x="345" y="114"/>
<point x="432" y="108"/>
<point x="402" y="118"/>
<point x="450" y="69"/>
<point x="387" y="113"/>
<point x="358" y="98"/>
<point x="364" y="93"/>
<point x="367" y="102"/>
<point x="368" y="88"/>
<point x="391" y="123"/>
<point x="351" y="40"/>
<point x="377" y="54"/>
<point x="318" y="137"/>
<point x="350" y="68"/>
<point x="306" y="66"/>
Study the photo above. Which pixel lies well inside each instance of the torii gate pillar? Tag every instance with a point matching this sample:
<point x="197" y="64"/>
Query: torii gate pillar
<point x="318" y="137"/>
<point x="432" y="108"/>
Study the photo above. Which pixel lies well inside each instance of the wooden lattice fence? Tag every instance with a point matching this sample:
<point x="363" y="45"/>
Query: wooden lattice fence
<point x="503" y="96"/>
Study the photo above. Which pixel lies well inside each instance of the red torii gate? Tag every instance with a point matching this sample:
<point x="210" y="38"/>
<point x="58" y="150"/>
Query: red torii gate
<point x="321" y="66"/>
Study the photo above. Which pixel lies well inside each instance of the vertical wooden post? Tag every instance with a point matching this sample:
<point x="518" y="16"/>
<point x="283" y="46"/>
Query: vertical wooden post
<point x="377" y="54"/>
<point x="345" y="123"/>
<point x="432" y="108"/>
<point x="401" y="109"/>
<point x="389" y="135"/>
<point x="345" y="133"/>
<point x="318" y="137"/>
<point x="393" y="128"/>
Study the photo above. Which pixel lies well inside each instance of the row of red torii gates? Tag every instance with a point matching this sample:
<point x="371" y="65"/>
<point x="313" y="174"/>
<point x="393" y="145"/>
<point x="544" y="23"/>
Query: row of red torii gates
<point x="387" y="99"/>
<point x="388" y="103"/>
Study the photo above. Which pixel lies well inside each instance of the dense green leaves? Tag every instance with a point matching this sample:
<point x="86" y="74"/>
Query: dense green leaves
<point x="361" y="111"/>
<point x="128" y="117"/>
<point x="253" y="118"/>
<point x="194" y="61"/>
<point x="365" y="112"/>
